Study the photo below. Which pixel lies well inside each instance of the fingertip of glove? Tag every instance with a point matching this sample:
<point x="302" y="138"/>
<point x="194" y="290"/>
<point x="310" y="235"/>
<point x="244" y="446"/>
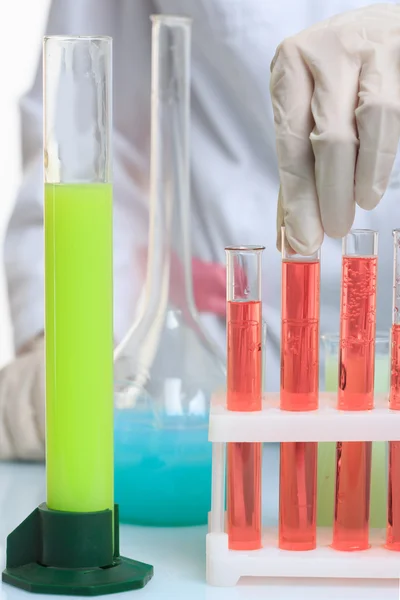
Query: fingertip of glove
<point x="367" y="198"/>
<point x="339" y="228"/>
<point x="305" y="246"/>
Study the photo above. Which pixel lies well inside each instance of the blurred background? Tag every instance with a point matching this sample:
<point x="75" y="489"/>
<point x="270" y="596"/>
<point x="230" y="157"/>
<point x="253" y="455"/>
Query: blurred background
<point x="19" y="53"/>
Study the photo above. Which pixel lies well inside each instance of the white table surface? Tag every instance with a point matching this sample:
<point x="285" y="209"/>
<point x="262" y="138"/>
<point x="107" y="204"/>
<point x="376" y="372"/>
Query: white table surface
<point x="178" y="555"/>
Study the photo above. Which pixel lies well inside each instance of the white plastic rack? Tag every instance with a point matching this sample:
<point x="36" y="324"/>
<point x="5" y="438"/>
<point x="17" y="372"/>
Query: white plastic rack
<point x="327" y="424"/>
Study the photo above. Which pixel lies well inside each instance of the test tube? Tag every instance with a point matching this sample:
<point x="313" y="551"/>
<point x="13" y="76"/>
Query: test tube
<point x="395" y="334"/>
<point x="393" y="512"/>
<point x="355" y="386"/>
<point x="244" y="393"/>
<point x="300" y="330"/>
<point x="299" y="392"/>
<point x="358" y="320"/>
<point x="78" y="266"/>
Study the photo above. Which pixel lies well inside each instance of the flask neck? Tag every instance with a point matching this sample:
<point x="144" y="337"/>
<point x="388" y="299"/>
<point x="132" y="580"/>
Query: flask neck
<point x="167" y="315"/>
<point x="169" y="264"/>
<point x="169" y="278"/>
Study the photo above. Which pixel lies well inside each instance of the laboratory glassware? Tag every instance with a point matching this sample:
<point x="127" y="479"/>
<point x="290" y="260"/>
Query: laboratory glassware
<point x="300" y="330"/>
<point x="244" y="392"/>
<point x="299" y="392"/>
<point x="166" y="368"/>
<point x="327" y="450"/>
<point x="355" y="386"/>
<point x="358" y="320"/>
<point x="78" y="266"/>
<point x="393" y="510"/>
<point x="71" y="544"/>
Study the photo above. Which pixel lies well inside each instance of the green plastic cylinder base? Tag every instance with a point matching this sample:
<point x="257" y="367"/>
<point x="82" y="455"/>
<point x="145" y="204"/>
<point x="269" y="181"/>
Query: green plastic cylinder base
<point x="76" y="554"/>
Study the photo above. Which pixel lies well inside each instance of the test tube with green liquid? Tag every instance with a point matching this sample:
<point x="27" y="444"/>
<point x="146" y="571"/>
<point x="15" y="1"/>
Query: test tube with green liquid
<point x="78" y="273"/>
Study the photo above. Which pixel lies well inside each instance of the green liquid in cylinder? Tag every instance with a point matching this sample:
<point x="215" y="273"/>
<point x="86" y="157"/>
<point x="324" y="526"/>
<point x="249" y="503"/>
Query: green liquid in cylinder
<point x="79" y="347"/>
<point x="327" y="455"/>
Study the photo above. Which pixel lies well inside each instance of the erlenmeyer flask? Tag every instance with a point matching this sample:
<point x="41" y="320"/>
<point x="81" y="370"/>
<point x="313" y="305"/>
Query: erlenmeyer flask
<point x="166" y="368"/>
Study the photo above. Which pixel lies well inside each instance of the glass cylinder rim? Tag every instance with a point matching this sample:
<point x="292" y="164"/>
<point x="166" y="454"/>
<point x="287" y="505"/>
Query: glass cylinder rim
<point x="159" y="18"/>
<point x="244" y="248"/>
<point x="76" y="38"/>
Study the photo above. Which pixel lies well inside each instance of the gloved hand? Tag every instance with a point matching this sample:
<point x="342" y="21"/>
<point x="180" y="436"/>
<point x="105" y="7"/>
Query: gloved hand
<point x="335" y="92"/>
<point x="22" y="405"/>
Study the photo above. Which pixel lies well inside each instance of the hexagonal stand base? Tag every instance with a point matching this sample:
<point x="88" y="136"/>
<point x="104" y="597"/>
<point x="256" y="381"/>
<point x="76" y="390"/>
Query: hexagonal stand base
<point x="123" y="575"/>
<point x="75" y="554"/>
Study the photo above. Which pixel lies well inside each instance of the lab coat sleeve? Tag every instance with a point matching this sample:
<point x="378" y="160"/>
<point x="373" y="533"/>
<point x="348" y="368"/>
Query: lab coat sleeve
<point x="129" y="25"/>
<point x="22" y="413"/>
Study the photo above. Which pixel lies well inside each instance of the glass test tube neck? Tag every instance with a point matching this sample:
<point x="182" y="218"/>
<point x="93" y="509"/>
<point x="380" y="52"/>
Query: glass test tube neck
<point x="243" y="273"/>
<point x="288" y="253"/>
<point x="396" y="277"/>
<point x="360" y="242"/>
<point x="77" y="109"/>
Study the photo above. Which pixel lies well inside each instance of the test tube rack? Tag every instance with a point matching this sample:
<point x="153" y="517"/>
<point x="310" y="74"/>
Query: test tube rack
<point x="327" y="424"/>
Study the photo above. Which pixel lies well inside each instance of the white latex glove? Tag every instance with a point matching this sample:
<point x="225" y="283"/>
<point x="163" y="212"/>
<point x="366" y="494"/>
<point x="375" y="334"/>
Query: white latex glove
<point x="22" y="405"/>
<point x="336" y="98"/>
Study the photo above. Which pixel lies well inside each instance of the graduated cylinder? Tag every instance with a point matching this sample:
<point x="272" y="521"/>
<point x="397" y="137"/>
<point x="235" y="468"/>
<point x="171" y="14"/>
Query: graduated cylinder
<point x="78" y="265"/>
<point x="244" y="393"/>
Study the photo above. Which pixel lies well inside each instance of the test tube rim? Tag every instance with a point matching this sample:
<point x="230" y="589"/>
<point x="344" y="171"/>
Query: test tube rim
<point x="76" y="38"/>
<point x="290" y="255"/>
<point x="244" y="248"/>
<point x="172" y="19"/>
<point x="373" y="234"/>
<point x="362" y="231"/>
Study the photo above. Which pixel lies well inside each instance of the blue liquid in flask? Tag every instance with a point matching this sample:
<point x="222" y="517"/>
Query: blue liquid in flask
<point x="162" y="468"/>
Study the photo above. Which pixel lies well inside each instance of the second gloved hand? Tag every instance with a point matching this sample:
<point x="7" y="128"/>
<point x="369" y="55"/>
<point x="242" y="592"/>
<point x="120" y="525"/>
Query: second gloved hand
<point x="22" y="405"/>
<point x="335" y="92"/>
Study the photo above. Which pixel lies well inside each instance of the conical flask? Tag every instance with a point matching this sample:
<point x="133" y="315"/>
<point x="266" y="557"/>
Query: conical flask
<point x="166" y="369"/>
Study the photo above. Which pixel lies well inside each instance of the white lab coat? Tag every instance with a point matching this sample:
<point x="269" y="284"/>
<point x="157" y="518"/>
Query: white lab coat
<point x="234" y="168"/>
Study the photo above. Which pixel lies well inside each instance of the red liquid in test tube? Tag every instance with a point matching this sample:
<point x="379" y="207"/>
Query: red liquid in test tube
<point x="244" y="495"/>
<point x="356" y="386"/>
<point x="393" y="509"/>
<point x="357" y="333"/>
<point x="244" y="355"/>
<point x="395" y="367"/>
<point x="244" y="393"/>
<point x="297" y="495"/>
<point x="300" y="334"/>
<point x="393" y="513"/>
<point x="352" y="496"/>
<point x="299" y="392"/>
